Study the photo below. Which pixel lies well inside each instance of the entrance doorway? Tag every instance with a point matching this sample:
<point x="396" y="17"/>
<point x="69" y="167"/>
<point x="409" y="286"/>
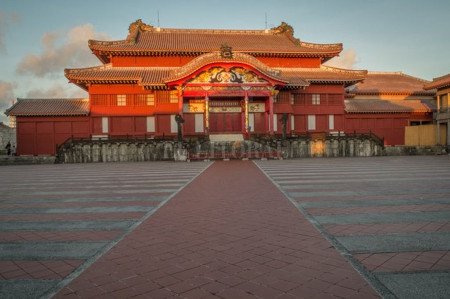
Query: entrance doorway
<point x="225" y="122"/>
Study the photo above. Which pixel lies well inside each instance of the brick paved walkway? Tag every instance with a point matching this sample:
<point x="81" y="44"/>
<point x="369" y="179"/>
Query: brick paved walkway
<point x="231" y="233"/>
<point x="390" y="215"/>
<point x="56" y="219"/>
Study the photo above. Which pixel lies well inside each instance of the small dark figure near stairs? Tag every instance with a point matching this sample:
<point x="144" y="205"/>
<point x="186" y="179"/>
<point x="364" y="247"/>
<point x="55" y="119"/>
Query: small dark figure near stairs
<point x="8" y="148"/>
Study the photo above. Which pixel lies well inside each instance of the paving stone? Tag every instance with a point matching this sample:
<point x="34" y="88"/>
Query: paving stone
<point x="25" y="288"/>
<point x="390" y="213"/>
<point x="417" y="285"/>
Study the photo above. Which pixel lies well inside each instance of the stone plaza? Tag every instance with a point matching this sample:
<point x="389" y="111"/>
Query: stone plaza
<point x="308" y="228"/>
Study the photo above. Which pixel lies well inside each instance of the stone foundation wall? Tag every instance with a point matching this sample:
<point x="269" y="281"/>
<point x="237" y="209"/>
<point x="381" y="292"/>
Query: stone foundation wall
<point x="111" y="151"/>
<point x="415" y="150"/>
<point x="334" y="147"/>
<point x="89" y="151"/>
<point x="26" y="160"/>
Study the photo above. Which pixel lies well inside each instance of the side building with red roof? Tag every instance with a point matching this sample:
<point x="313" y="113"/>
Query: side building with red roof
<point x="223" y="83"/>
<point x="442" y="116"/>
<point x="386" y="102"/>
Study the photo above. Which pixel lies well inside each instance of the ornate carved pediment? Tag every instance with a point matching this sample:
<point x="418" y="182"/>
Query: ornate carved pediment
<point x="226" y="52"/>
<point x="237" y="75"/>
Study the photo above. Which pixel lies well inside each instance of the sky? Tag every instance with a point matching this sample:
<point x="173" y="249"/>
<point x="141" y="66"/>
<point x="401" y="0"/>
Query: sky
<point x="38" y="39"/>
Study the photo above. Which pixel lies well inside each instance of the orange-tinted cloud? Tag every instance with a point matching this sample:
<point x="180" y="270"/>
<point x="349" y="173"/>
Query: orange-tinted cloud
<point x="6" y="95"/>
<point x="346" y="60"/>
<point x="61" y="50"/>
<point x="57" y="90"/>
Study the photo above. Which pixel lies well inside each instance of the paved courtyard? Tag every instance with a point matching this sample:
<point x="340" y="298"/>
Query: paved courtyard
<point x="310" y="228"/>
<point x="390" y="216"/>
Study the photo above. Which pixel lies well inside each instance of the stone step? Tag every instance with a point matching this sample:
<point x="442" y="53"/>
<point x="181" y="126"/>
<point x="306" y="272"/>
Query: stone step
<point x="226" y="137"/>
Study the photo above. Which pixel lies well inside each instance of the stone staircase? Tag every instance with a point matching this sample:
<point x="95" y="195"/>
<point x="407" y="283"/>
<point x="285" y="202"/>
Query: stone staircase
<point x="241" y="149"/>
<point x="226" y="137"/>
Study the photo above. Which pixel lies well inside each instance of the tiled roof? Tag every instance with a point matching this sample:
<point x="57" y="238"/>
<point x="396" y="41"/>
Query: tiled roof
<point x="49" y="107"/>
<point x="390" y="83"/>
<point x="144" y="39"/>
<point x="324" y="74"/>
<point x="440" y="82"/>
<point x="157" y="76"/>
<point x="215" y="57"/>
<point x="386" y="106"/>
<point x="146" y="76"/>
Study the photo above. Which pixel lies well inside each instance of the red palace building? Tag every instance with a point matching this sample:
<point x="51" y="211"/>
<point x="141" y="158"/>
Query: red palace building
<point x="234" y="82"/>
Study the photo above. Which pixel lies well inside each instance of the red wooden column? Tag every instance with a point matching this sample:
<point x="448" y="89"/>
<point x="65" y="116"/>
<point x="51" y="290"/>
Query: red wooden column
<point x="246" y="132"/>
<point x="206" y="113"/>
<point x="180" y="100"/>
<point x="274" y="93"/>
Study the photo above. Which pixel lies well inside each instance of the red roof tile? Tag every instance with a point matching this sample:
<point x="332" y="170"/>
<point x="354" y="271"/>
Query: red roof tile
<point x="324" y="74"/>
<point x="146" y="76"/>
<point x="390" y="83"/>
<point x="157" y="76"/>
<point x="386" y="106"/>
<point x="144" y="39"/>
<point x="215" y="57"/>
<point x="49" y="107"/>
<point x="438" y="83"/>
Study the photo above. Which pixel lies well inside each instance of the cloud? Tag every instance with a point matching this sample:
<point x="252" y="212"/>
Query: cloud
<point x="6" y="19"/>
<point x="6" y="95"/>
<point x="57" y="90"/>
<point x="61" y="50"/>
<point x="346" y="60"/>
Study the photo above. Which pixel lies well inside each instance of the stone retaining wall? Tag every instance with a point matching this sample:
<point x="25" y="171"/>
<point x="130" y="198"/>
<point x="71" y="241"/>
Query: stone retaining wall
<point x="88" y="151"/>
<point x="333" y="147"/>
<point x="112" y="151"/>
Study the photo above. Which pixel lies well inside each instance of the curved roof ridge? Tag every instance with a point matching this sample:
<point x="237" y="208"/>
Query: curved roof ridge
<point x="385" y="73"/>
<point x="442" y="77"/>
<point x="144" y="39"/>
<point x="321" y="46"/>
<point x="216" y="57"/>
<point x="52" y="99"/>
<point x="400" y="73"/>
<point x="439" y="82"/>
<point x="342" y="70"/>
<point x="92" y="68"/>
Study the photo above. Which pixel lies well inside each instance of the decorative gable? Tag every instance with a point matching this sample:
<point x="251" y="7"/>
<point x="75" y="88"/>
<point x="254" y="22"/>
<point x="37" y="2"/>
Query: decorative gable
<point x="235" y="75"/>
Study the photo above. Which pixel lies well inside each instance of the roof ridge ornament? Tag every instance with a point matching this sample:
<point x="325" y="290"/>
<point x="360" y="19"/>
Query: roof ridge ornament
<point x="138" y="24"/>
<point x="285" y="28"/>
<point x="136" y="27"/>
<point x="226" y="51"/>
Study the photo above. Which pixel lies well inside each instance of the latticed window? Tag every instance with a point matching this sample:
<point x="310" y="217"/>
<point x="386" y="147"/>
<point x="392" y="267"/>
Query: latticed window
<point x="174" y="96"/>
<point x="99" y="99"/>
<point x="315" y="99"/>
<point x="299" y="99"/>
<point x="162" y="96"/>
<point x="145" y="100"/>
<point x="150" y="99"/>
<point x="121" y="100"/>
<point x="284" y="97"/>
<point x="335" y="99"/>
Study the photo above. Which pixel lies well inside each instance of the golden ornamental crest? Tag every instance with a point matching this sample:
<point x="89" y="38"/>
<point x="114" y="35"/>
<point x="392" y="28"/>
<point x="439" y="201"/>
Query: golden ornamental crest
<point x="226" y="52"/>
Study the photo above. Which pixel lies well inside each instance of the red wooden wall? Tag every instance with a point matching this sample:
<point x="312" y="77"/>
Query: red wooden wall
<point x="41" y="135"/>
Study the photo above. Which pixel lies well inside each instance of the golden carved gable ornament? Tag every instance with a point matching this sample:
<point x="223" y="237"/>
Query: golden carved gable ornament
<point x="226" y="51"/>
<point x="219" y="75"/>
